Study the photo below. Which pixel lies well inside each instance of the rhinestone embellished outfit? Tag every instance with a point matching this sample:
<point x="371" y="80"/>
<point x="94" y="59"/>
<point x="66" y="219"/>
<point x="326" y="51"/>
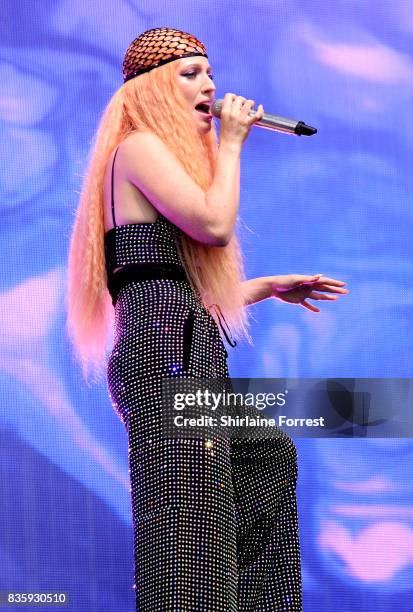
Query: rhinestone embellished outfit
<point x="215" y="521"/>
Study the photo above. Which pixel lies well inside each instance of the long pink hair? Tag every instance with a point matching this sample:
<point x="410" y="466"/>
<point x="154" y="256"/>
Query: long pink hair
<point x="147" y="102"/>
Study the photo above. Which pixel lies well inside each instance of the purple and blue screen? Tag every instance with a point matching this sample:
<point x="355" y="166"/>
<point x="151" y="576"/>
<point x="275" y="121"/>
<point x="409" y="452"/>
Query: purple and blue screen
<point x="338" y="203"/>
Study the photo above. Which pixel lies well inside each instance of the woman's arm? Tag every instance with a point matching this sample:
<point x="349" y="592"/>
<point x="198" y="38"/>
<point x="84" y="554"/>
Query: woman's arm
<point x="208" y="217"/>
<point x="292" y="288"/>
<point x="155" y="171"/>
<point x="257" y="289"/>
<point x="222" y="198"/>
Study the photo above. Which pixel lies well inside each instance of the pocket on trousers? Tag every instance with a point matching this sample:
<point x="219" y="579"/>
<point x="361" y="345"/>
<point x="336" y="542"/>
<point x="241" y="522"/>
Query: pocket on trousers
<point x="188" y="333"/>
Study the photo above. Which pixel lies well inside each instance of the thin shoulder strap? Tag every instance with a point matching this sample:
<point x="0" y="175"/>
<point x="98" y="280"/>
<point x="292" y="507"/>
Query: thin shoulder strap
<point x="113" y="200"/>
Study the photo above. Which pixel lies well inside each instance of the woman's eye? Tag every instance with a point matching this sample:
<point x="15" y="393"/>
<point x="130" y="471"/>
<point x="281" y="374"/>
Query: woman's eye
<point x="193" y="74"/>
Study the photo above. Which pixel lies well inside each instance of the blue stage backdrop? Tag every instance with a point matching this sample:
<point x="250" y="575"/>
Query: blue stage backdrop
<point x="337" y="203"/>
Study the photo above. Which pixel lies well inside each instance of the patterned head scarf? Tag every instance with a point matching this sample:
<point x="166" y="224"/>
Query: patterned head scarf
<point x="156" y="47"/>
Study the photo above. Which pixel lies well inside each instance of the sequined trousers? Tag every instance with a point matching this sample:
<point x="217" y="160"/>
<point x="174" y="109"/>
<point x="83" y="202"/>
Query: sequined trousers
<point x="214" y="520"/>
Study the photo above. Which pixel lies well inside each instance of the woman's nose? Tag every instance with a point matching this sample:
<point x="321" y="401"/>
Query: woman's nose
<point x="209" y="85"/>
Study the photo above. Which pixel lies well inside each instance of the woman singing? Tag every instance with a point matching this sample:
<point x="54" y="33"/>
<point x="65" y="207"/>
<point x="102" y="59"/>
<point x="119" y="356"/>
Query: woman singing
<point x="215" y="520"/>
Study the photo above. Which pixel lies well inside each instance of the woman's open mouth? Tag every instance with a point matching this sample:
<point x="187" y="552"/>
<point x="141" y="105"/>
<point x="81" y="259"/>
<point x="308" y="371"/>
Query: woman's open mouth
<point x="204" y="109"/>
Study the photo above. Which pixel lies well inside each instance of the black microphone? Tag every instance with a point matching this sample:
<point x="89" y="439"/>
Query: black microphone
<point x="272" y="122"/>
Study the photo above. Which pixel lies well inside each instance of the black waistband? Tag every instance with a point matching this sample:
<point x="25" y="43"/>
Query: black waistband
<point x="140" y="272"/>
<point x="154" y="271"/>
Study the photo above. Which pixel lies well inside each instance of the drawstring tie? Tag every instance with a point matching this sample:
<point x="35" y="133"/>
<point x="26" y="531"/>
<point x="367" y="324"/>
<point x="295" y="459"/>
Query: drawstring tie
<point x="219" y="313"/>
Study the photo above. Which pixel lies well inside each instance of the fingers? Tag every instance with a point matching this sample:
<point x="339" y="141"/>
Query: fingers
<point x="330" y="281"/>
<point x="227" y="103"/>
<point x="243" y="108"/>
<point x="331" y="289"/>
<point x="247" y="106"/>
<point x="228" y="98"/>
<point x="301" y="279"/>
<point x="241" y="104"/>
<point x="248" y="109"/>
<point x="238" y="102"/>
<point x="237" y="117"/>
<point x="259" y="113"/>
<point x="234" y="107"/>
<point x="333" y="286"/>
<point x="324" y="283"/>
<point x="309" y="306"/>
<point x="314" y="295"/>
<point x="321" y="279"/>
<point x="235" y="102"/>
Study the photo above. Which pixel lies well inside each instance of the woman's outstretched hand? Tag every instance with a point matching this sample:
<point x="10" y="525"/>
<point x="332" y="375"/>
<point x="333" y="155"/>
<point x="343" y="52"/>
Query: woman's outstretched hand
<point x="297" y="288"/>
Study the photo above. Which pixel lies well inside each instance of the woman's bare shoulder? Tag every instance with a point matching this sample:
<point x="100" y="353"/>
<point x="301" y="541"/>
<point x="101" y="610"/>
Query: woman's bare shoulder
<point x="151" y="167"/>
<point x="139" y="136"/>
<point x="130" y="202"/>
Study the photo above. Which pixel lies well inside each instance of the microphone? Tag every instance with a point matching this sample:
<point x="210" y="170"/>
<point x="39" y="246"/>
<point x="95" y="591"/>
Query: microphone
<point x="272" y="122"/>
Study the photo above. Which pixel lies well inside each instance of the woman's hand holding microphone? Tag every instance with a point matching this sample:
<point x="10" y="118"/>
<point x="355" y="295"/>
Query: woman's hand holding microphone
<point x="235" y="117"/>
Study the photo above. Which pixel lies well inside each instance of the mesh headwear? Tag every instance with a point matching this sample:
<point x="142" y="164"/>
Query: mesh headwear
<point x="156" y="47"/>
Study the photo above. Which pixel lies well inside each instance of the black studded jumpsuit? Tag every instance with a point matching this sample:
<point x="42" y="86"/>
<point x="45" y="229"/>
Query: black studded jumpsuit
<point x="214" y="521"/>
